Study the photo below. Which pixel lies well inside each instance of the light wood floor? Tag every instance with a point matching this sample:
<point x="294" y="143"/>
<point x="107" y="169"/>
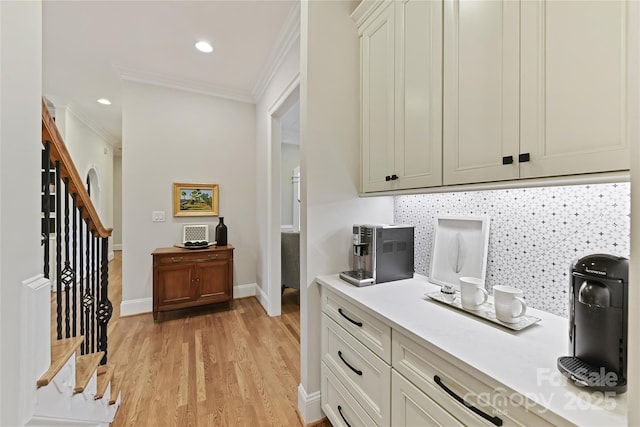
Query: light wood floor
<point x="206" y="366"/>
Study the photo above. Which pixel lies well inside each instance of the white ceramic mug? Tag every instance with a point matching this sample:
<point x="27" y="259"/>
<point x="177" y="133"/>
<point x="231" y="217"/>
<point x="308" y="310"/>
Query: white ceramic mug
<point x="509" y="303"/>
<point x="472" y="293"/>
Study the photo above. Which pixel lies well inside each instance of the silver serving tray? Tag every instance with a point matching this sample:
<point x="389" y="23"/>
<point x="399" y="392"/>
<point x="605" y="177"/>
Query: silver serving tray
<point x="486" y="311"/>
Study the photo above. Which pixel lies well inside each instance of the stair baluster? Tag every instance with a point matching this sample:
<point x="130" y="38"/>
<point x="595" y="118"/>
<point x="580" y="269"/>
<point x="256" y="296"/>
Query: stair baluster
<point x="105" y="309"/>
<point x="58" y="253"/>
<point x="46" y="205"/>
<point x="74" y="308"/>
<point x="82" y="277"/>
<point x="67" y="272"/>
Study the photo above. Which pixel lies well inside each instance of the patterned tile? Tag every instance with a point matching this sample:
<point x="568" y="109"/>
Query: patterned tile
<point x="535" y="233"/>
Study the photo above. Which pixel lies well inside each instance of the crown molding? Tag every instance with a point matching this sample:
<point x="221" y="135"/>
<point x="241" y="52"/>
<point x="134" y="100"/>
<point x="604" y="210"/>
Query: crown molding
<point x="289" y="35"/>
<point x="157" y="79"/>
<point x="92" y="125"/>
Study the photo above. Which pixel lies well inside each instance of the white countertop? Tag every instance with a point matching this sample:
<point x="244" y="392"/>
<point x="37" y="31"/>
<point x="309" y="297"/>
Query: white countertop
<point x="522" y="361"/>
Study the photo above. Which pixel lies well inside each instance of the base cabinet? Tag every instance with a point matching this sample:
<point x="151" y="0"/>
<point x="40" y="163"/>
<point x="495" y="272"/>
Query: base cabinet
<point x="187" y="278"/>
<point x="418" y="386"/>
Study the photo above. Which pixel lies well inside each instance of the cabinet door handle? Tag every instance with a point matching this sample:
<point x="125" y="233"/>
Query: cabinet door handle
<point x="394" y="177"/>
<point x="357" y="371"/>
<point x="507" y="160"/>
<point x="524" y="157"/>
<point x="494" y="420"/>
<point x="213" y="256"/>
<point x="358" y="324"/>
<point x="342" y="415"/>
<point x="387" y="178"/>
<point x="176" y="259"/>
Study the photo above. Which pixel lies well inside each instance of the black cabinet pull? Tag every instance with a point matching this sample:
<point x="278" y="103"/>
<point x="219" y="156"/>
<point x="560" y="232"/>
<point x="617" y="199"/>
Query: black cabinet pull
<point x="394" y="177"/>
<point x="358" y="324"/>
<point x="342" y="415"/>
<point x="357" y="371"/>
<point x="494" y="420"/>
<point x="387" y="178"/>
<point x="507" y="160"/>
<point x="524" y="157"/>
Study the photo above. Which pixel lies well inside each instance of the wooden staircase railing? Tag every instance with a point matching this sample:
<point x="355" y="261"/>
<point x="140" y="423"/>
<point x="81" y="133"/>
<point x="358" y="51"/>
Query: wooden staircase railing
<point x="81" y="248"/>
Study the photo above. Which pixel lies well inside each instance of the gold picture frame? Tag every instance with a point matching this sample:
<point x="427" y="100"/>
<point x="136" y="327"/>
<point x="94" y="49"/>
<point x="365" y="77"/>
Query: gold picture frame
<point x="195" y="199"/>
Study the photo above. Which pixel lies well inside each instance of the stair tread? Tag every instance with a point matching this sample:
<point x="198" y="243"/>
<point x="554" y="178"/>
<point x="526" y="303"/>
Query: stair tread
<point x="85" y="366"/>
<point x="61" y="351"/>
<point x="105" y="375"/>
<point x="116" y="384"/>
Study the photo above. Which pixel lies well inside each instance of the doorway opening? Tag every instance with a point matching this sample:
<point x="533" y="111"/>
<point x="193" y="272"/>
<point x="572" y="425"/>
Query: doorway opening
<point x="284" y="135"/>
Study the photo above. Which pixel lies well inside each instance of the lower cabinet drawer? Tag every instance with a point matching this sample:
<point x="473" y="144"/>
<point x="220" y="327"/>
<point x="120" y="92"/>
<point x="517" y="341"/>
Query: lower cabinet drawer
<point x="365" y="375"/>
<point x="447" y="384"/>
<point x="338" y="404"/>
<point x="410" y="407"/>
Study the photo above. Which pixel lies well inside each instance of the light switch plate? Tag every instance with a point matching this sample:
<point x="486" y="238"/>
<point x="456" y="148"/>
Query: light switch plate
<point x="157" y="216"/>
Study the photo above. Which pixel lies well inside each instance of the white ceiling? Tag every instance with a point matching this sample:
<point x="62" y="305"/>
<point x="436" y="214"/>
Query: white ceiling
<point x="90" y="46"/>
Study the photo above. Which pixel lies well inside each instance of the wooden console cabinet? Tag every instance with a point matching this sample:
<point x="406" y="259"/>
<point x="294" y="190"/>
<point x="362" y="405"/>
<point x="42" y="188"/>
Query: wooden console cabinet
<point x="185" y="278"/>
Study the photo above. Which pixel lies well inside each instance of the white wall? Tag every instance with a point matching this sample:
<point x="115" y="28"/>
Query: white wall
<point x="268" y="167"/>
<point x="329" y="138"/>
<point x="117" y="202"/>
<point x="290" y="158"/>
<point x="20" y="145"/>
<point x="89" y="150"/>
<point x="172" y="136"/>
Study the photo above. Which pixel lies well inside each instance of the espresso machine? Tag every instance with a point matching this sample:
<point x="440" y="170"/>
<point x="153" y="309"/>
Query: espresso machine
<point x="598" y="313"/>
<point x="380" y="253"/>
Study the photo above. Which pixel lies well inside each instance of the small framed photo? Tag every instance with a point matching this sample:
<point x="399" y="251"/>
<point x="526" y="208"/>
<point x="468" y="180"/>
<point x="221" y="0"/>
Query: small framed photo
<point x="195" y="199"/>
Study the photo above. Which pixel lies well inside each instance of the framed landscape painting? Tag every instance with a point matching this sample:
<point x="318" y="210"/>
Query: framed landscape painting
<point x="195" y="199"/>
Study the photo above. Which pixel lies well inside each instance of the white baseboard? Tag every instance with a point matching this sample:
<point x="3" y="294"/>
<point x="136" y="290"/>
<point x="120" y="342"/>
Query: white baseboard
<point x="263" y="298"/>
<point x="136" y="306"/>
<point x="244" y="291"/>
<point x="117" y="247"/>
<point x="309" y="406"/>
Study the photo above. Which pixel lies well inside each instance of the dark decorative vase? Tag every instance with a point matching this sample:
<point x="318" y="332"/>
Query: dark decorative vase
<point x="221" y="233"/>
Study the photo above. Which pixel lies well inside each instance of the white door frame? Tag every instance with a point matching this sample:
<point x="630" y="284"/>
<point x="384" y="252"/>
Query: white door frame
<point x="287" y="98"/>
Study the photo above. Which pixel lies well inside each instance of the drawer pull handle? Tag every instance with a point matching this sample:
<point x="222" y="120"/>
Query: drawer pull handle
<point x="176" y="259"/>
<point x="494" y="420"/>
<point x="357" y="371"/>
<point x="359" y="324"/>
<point x="342" y="415"/>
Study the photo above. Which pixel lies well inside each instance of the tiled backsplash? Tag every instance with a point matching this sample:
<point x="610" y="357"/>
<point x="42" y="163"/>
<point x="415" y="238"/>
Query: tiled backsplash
<point x="535" y="233"/>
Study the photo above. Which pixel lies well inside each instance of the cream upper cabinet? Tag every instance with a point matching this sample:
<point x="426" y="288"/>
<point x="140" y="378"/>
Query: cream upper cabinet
<point x="401" y="57"/>
<point x="534" y="89"/>
<point x="573" y="87"/>
<point x="377" y="92"/>
<point x="481" y="99"/>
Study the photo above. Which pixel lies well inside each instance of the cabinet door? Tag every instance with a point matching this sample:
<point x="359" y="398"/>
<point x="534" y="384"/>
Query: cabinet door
<point x="574" y="87"/>
<point x="418" y="96"/>
<point x="214" y="280"/>
<point x="481" y="90"/>
<point x="174" y="284"/>
<point x="410" y="407"/>
<point x="377" y="66"/>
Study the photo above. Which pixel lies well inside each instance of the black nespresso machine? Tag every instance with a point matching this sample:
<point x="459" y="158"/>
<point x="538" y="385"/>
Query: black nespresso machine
<point x="598" y="312"/>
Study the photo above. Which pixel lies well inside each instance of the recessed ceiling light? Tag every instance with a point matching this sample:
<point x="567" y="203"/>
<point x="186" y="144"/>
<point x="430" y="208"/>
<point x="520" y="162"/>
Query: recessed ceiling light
<point x="204" y="47"/>
<point x="104" y="101"/>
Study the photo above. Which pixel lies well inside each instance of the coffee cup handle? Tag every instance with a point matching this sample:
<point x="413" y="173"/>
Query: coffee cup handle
<point x="523" y="306"/>
<point x="485" y="296"/>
